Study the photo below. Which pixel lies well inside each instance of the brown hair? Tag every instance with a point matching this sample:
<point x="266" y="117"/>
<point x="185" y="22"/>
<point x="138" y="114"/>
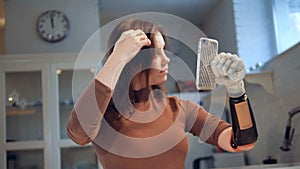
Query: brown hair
<point x="138" y="66"/>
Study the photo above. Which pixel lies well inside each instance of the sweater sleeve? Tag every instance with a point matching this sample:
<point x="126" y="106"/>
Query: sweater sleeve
<point x="200" y="123"/>
<point x="85" y="119"/>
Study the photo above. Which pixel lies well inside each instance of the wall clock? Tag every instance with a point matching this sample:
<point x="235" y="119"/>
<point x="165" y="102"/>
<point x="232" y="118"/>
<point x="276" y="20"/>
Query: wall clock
<point x="53" y="26"/>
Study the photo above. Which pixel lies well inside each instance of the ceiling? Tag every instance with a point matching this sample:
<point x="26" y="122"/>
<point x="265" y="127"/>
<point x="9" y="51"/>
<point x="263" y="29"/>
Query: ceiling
<point x="195" y="11"/>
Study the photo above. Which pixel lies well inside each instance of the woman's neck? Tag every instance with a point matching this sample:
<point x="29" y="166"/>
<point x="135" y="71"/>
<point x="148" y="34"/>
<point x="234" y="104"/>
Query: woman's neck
<point x="141" y="95"/>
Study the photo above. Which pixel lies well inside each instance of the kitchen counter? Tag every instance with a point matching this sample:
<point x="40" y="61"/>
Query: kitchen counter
<point x="295" y="165"/>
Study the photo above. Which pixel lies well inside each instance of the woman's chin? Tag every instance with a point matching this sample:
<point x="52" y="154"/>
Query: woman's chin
<point x="164" y="80"/>
<point x="161" y="81"/>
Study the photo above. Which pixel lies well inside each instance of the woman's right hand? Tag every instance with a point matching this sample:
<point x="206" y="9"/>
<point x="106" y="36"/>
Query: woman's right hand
<point x="129" y="44"/>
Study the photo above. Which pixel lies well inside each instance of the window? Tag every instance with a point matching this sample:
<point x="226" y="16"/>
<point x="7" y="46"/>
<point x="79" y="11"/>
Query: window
<point x="287" y="23"/>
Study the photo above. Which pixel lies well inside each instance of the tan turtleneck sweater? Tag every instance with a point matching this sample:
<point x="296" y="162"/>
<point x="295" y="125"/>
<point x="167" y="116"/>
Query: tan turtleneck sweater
<point x="154" y="136"/>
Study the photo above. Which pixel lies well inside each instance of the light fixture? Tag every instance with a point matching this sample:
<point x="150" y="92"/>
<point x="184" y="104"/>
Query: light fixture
<point x="58" y="71"/>
<point x="10" y="99"/>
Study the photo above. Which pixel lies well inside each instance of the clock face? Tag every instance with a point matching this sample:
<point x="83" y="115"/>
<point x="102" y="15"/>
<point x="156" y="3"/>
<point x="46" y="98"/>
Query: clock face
<point x="53" y="26"/>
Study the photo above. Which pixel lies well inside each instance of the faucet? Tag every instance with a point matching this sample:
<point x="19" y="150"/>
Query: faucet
<point x="288" y="134"/>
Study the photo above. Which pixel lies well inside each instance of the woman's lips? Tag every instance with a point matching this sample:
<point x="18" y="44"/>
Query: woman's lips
<point x="164" y="71"/>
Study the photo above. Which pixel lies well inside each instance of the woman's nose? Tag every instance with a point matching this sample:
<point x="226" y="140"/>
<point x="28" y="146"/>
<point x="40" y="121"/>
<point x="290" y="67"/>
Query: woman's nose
<point x="165" y="59"/>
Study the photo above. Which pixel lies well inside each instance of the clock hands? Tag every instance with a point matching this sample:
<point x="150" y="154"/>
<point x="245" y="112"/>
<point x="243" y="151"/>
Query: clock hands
<point x="52" y="21"/>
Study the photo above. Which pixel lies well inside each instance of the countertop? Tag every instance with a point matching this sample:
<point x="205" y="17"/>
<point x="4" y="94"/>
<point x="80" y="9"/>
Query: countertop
<point x="295" y="165"/>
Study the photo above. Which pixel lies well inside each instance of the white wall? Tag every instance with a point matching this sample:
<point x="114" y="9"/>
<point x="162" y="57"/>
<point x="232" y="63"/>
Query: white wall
<point x="21" y="16"/>
<point x="220" y="25"/>
<point x="271" y="110"/>
<point x="243" y="27"/>
<point x="255" y="32"/>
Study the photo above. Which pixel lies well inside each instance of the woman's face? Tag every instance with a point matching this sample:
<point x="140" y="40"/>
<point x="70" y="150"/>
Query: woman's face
<point x="158" y="73"/>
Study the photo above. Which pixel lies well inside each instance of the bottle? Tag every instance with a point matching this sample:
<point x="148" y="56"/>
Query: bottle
<point x="243" y="122"/>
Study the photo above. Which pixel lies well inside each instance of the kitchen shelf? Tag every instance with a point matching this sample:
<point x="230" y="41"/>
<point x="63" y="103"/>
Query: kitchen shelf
<point x="18" y="111"/>
<point x="24" y="145"/>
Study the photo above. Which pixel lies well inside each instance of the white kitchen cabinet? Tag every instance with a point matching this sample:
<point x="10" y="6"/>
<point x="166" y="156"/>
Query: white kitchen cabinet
<point x="36" y="99"/>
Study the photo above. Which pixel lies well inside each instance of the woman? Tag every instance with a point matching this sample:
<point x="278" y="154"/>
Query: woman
<point x="127" y="96"/>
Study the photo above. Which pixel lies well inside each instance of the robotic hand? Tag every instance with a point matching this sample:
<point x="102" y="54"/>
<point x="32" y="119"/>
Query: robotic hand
<point x="229" y="70"/>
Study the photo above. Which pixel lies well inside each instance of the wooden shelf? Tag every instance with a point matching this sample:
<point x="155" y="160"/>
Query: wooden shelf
<point x="17" y="111"/>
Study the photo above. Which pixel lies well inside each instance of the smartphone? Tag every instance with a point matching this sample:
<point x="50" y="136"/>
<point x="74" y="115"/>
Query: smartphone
<point x="207" y="51"/>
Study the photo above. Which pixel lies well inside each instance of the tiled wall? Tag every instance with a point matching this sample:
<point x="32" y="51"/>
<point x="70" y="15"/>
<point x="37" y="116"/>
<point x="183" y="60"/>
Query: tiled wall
<point x="271" y="110"/>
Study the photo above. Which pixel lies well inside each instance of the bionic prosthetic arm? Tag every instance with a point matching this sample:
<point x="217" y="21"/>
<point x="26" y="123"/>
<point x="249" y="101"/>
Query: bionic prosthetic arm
<point x="230" y="70"/>
<point x="243" y="122"/>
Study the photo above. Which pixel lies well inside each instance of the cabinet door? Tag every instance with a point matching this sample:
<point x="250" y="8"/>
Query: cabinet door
<point x="70" y="85"/>
<point x="25" y="159"/>
<point x="24" y="105"/>
<point x="69" y="91"/>
<point x="79" y="158"/>
<point x="25" y="115"/>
